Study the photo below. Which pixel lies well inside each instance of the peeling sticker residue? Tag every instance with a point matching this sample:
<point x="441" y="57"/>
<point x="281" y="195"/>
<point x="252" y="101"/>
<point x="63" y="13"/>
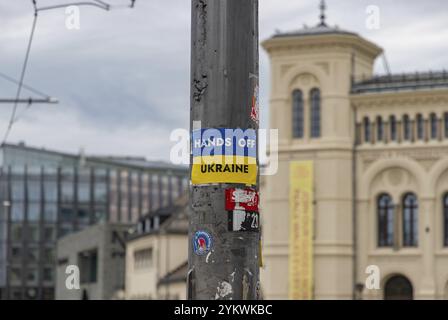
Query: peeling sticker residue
<point x="232" y="275"/>
<point x="208" y="256"/>
<point x="224" y="289"/>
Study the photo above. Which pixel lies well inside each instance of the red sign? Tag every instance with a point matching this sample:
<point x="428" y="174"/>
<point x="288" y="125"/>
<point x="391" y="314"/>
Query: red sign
<point x="242" y="199"/>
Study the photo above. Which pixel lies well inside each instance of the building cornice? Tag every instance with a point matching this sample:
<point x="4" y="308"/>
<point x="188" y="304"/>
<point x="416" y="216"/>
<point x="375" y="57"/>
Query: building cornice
<point x="310" y="43"/>
<point x="400" y="98"/>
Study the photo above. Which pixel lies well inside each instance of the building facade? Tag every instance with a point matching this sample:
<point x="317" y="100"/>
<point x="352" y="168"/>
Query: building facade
<point x="99" y="253"/>
<point x="157" y="253"/>
<point x="46" y="195"/>
<point x="378" y="146"/>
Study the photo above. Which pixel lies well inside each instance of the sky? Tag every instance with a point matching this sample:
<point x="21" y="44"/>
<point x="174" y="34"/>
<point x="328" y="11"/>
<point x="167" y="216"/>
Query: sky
<point x="123" y="78"/>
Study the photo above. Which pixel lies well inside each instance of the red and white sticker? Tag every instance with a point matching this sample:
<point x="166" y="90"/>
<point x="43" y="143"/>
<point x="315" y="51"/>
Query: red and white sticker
<point x="242" y="199"/>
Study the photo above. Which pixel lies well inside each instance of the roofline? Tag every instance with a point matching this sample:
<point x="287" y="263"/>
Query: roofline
<point x="97" y="159"/>
<point x="322" y="39"/>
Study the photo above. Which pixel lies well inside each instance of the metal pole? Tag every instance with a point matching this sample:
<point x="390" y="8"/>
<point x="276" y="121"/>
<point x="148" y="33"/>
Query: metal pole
<point x="224" y="94"/>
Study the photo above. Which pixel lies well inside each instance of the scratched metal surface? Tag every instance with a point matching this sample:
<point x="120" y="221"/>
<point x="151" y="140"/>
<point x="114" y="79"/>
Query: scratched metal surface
<point x="224" y="71"/>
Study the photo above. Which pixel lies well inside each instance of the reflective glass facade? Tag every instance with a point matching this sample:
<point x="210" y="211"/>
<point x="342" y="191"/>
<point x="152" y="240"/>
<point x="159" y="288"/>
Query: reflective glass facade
<point x="46" y="195"/>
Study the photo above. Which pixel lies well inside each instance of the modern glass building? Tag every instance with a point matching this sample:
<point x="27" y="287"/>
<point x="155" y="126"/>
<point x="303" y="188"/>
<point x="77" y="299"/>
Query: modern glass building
<point x="45" y="195"/>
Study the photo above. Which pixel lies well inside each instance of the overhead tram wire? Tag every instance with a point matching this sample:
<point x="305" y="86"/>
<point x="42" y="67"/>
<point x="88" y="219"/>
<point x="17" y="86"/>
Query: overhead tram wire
<point x="25" y="86"/>
<point x="97" y="3"/>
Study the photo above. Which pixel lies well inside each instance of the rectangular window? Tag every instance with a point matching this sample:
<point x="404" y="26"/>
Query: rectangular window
<point x="34" y="211"/>
<point x="48" y="255"/>
<point x="51" y="191"/>
<point x="50" y="211"/>
<point x="88" y="266"/>
<point x="143" y="259"/>
<point x="49" y="234"/>
<point x="17" y="211"/>
<point x="18" y="189"/>
<point x="48" y="274"/>
<point x="445" y="117"/>
<point x="67" y="191"/>
<point x="34" y="191"/>
<point x="16" y="232"/>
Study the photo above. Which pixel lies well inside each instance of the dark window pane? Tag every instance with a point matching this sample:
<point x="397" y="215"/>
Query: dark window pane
<point x="88" y="265"/>
<point x="420" y="127"/>
<point x="406" y="128"/>
<point x="16" y="275"/>
<point x="33" y="211"/>
<point x="67" y="191"/>
<point x="51" y="191"/>
<point x="446" y="124"/>
<point x="83" y="215"/>
<point x="49" y="234"/>
<point x="434" y="123"/>
<point x="16" y="254"/>
<point x="315" y="113"/>
<point x="48" y="274"/>
<point x="18" y="211"/>
<point x="393" y="128"/>
<point x="34" y="190"/>
<point x="31" y="275"/>
<point x="410" y="221"/>
<point x="380" y="129"/>
<point x="367" y="130"/>
<point x="83" y="192"/>
<point x="445" y="216"/>
<point x="32" y="255"/>
<point x="67" y="214"/>
<point x="385" y="209"/>
<point x="48" y="255"/>
<point x="32" y="232"/>
<point x="18" y="189"/>
<point x="100" y="192"/>
<point x="50" y="211"/>
<point x="16" y="232"/>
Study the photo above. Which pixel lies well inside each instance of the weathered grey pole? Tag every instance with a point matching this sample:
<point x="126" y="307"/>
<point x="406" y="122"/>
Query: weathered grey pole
<point x="224" y="94"/>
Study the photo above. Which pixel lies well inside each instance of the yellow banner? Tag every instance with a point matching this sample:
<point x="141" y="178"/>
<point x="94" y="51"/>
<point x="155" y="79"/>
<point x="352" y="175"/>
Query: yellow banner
<point x="224" y="169"/>
<point x="301" y="231"/>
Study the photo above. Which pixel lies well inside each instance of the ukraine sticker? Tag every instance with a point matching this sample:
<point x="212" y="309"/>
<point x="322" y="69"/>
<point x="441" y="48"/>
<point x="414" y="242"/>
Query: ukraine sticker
<point x="224" y="156"/>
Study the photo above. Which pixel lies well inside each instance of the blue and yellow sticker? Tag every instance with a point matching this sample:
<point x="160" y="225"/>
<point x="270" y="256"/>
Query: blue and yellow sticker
<point x="224" y="156"/>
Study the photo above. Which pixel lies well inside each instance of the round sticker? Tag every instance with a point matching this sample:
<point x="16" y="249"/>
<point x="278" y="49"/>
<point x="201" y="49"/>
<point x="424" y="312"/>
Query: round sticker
<point x="202" y="242"/>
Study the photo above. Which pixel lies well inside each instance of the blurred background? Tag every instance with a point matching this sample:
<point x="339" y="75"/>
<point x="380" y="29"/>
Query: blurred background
<point x="357" y="89"/>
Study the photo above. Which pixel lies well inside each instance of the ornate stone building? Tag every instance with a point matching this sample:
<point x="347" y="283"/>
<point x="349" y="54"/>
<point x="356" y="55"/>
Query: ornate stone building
<point x="379" y="146"/>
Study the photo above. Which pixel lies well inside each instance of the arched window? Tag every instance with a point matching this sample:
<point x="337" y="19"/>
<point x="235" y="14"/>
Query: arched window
<point x="410" y="220"/>
<point x="445" y="116"/>
<point x="367" y="129"/>
<point x="380" y="129"/>
<point x="420" y="127"/>
<point x="393" y="128"/>
<point x="433" y="118"/>
<point x="445" y="220"/>
<point x="297" y="114"/>
<point x="315" y="113"/>
<point x="385" y="210"/>
<point x="398" y="288"/>
<point x="406" y="128"/>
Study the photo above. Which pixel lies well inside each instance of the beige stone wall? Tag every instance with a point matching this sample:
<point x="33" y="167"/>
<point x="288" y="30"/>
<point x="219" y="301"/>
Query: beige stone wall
<point x="394" y="167"/>
<point x="397" y="168"/>
<point x="169" y="252"/>
<point x="325" y="62"/>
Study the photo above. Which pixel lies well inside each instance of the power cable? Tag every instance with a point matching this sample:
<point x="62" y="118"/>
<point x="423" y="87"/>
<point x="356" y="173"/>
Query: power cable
<point x="22" y="75"/>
